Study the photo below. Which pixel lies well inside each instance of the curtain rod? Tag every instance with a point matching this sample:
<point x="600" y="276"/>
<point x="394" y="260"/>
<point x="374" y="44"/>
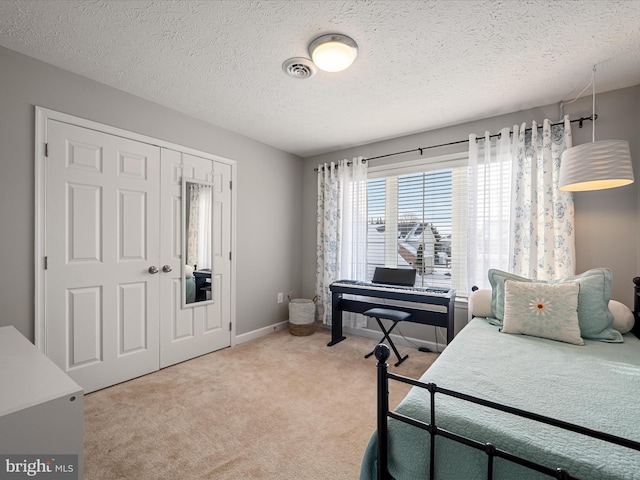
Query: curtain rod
<point x="580" y="120"/>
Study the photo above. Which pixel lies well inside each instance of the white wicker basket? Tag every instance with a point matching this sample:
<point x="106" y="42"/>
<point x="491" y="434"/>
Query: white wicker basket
<point x="302" y="315"/>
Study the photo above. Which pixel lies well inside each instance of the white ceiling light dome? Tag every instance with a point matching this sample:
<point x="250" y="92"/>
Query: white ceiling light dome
<point x="333" y="52"/>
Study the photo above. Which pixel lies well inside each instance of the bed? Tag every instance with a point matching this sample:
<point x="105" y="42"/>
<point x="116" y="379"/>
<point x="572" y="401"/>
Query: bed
<point x="589" y="390"/>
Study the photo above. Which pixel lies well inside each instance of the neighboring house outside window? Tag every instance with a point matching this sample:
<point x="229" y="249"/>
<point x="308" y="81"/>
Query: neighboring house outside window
<point x="417" y="218"/>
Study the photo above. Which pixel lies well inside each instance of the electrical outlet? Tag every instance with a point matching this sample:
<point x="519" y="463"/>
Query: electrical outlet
<point x="280" y="297"/>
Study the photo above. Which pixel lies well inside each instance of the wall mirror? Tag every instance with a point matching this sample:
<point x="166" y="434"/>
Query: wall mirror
<point x="197" y="247"/>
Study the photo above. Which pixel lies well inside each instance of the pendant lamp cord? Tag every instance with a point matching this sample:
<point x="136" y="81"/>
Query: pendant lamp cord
<point x="593" y="123"/>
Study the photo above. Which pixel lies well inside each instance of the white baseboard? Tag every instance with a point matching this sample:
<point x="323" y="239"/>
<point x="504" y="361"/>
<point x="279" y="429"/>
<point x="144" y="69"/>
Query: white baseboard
<point x="362" y="332"/>
<point x="261" y="332"/>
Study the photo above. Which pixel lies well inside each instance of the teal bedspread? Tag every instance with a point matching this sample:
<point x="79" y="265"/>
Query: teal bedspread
<point x="596" y="386"/>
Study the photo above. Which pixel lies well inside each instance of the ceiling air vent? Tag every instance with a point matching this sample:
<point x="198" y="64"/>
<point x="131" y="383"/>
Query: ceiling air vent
<point x="299" y="67"/>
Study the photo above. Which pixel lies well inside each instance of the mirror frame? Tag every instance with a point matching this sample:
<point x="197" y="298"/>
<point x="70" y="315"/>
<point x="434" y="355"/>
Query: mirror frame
<point x="184" y="226"/>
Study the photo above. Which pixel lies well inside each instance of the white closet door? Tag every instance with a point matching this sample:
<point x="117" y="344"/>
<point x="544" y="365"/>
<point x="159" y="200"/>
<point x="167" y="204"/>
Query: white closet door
<point x="196" y="329"/>
<point x="102" y="237"/>
<point x="222" y="228"/>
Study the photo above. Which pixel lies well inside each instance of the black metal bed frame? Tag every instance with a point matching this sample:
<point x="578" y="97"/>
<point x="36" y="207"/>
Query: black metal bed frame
<point x="382" y="353"/>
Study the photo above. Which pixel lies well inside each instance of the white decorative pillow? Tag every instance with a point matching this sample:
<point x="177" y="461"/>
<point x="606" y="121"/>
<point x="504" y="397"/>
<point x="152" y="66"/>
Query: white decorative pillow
<point x="542" y="310"/>
<point x="188" y="271"/>
<point x="623" y="320"/>
<point x="480" y="303"/>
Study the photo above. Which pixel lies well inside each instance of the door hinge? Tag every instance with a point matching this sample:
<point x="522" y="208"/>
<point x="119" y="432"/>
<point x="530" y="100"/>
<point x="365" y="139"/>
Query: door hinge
<point x="229" y="326"/>
<point x="230" y="184"/>
<point x="46" y="149"/>
<point x="46" y="262"/>
<point x="229" y="255"/>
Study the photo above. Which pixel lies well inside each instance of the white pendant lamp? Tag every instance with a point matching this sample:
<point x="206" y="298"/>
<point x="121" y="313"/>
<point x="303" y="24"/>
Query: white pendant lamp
<point x="596" y="165"/>
<point x="333" y="52"/>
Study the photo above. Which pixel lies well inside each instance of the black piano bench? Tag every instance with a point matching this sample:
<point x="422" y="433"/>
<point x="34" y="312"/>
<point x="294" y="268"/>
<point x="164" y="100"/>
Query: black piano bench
<point x="388" y="314"/>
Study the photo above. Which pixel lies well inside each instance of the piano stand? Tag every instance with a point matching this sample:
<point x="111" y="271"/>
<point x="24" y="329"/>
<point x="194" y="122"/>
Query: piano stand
<point x="336" y="339"/>
<point x="396" y="316"/>
<point x="445" y="299"/>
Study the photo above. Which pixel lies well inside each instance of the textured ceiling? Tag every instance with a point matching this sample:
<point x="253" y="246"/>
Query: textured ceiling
<point x="422" y="64"/>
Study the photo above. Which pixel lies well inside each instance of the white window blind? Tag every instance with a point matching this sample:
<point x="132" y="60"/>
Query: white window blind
<point x="418" y="219"/>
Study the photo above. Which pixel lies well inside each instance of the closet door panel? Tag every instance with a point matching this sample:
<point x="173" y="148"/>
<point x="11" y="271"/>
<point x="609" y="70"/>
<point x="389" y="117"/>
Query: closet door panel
<point x="222" y="242"/>
<point x="190" y="330"/>
<point x="132" y="318"/>
<point x="132" y="221"/>
<point x="215" y="317"/>
<point x="84" y="213"/>
<point x="85" y="325"/>
<point x="102" y="234"/>
<point x="183" y="324"/>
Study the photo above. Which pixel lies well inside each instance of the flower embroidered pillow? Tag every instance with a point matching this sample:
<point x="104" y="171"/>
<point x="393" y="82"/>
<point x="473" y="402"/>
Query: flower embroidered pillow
<point x="542" y="310"/>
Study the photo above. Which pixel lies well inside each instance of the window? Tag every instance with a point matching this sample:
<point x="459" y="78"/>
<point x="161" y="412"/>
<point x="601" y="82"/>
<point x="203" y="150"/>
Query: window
<point x="417" y="217"/>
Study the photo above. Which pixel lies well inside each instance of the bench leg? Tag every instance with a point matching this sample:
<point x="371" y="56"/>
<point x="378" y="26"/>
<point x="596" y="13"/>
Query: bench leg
<point x="391" y="344"/>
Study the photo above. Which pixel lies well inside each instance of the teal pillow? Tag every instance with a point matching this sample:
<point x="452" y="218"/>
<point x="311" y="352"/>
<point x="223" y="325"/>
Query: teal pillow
<point x="594" y="316"/>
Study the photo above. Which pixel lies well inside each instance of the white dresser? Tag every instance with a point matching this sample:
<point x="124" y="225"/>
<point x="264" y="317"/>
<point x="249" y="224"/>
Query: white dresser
<point x="41" y="408"/>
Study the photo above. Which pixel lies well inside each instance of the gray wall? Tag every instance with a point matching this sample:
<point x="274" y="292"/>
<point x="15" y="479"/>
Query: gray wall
<point x="275" y="231"/>
<point x="268" y="190"/>
<point x="607" y="222"/>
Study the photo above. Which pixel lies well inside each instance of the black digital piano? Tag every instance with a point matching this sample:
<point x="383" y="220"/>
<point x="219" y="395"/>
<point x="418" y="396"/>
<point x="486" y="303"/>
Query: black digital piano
<point x="377" y="293"/>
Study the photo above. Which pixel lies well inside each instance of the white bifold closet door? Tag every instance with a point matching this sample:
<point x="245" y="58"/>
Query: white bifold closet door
<point x="197" y="329"/>
<point x="102" y="236"/>
<point x="113" y="221"/>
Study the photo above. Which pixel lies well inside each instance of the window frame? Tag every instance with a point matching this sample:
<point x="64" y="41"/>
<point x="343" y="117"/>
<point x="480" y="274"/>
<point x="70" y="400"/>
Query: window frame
<point x="424" y="165"/>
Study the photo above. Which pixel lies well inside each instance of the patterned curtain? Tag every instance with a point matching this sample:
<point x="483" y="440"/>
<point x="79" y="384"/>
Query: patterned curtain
<point x="542" y="226"/>
<point x="341" y="231"/>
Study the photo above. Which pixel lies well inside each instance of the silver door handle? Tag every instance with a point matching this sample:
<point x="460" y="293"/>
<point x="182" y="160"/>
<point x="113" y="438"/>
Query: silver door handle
<point x="167" y="268"/>
<point x="153" y="269"/>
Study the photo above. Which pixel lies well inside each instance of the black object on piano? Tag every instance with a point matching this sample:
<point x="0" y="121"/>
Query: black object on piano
<point x="395" y="276"/>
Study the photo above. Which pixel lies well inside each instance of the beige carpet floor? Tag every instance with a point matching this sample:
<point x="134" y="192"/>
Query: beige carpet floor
<point x="280" y="407"/>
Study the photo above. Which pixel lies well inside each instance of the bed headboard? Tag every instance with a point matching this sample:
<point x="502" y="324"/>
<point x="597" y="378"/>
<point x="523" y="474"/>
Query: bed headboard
<point x="636" y="306"/>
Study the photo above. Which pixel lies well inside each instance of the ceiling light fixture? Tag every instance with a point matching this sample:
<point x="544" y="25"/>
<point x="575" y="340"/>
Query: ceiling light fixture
<point x="596" y="165"/>
<point x="333" y="52"/>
